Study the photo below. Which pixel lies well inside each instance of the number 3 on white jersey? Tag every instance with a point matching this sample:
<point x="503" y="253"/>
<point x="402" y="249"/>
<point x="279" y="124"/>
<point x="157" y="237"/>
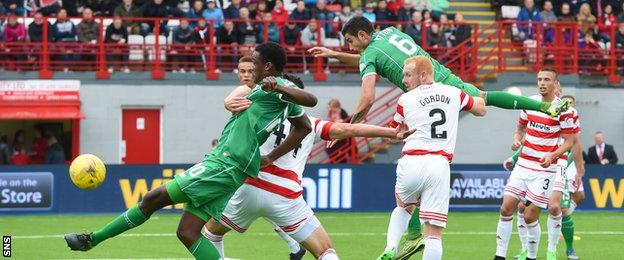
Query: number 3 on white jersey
<point x="404" y="45"/>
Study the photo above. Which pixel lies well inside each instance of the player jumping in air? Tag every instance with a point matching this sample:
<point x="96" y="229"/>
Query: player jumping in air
<point x="533" y="178"/>
<point x="276" y="194"/>
<point x="206" y="187"/>
<point x="423" y="173"/>
<point x="383" y="53"/>
<point x="569" y="183"/>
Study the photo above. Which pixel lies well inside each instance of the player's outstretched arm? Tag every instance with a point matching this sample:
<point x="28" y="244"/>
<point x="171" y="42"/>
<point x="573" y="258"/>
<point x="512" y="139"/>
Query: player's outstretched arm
<point x="236" y="101"/>
<point x="343" y="57"/>
<point x="301" y="128"/>
<point x="345" y="130"/>
<point x="367" y="97"/>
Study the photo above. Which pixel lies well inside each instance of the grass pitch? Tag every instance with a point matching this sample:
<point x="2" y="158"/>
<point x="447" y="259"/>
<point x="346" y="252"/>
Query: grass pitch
<point x="354" y="235"/>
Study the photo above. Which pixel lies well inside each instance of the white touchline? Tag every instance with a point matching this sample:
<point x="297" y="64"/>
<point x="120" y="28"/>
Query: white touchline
<point x="469" y="233"/>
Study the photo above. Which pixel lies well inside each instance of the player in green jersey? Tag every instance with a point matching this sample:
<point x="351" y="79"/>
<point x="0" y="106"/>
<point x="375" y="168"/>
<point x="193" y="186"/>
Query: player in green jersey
<point x="572" y="179"/>
<point x="206" y="187"/>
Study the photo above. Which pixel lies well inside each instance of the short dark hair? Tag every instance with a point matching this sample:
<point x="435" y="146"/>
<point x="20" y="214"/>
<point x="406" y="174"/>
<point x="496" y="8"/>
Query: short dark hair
<point x="549" y="69"/>
<point x="569" y="96"/>
<point x="294" y="79"/>
<point x="356" y="24"/>
<point x="273" y="53"/>
<point x="245" y="59"/>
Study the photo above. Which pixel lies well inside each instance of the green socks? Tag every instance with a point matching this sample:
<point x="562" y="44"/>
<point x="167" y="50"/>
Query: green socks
<point x="133" y="217"/>
<point x="413" y="227"/>
<point x="503" y="99"/>
<point x="567" y="229"/>
<point x="203" y="249"/>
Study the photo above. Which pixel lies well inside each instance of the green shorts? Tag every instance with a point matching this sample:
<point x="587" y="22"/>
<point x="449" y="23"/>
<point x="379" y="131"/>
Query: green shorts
<point x="468" y="88"/>
<point x="209" y="185"/>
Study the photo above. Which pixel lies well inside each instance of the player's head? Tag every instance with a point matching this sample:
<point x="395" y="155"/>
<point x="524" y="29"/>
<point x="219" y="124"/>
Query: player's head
<point x="547" y="82"/>
<point x="571" y="99"/>
<point x="294" y="79"/>
<point x="358" y="32"/>
<point x="246" y="71"/>
<point x="269" y="60"/>
<point x="417" y="70"/>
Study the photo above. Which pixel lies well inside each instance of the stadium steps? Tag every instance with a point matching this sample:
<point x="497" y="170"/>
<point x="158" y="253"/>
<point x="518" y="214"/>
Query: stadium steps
<point x="473" y="10"/>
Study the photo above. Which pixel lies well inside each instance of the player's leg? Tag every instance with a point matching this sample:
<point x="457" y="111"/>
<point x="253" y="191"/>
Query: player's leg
<point x="414" y="238"/>
<point x="522" y="230"/>
<point x="514" y="192"/>
<point x="399" y="221"/>
<point x="133" y="217"/>
<point x="214" y="232"/>
<point x="189" y="233"/>
<point x="296" y="251"/>
<point x="506" y="100"/>
<point x="534" y="231"/>
<point x="567" y="224"/>
<point x="538" y="193"/>
<point x="554" y="223"/>
<point x="317" y="241"/>
<point x="433" y="242"/>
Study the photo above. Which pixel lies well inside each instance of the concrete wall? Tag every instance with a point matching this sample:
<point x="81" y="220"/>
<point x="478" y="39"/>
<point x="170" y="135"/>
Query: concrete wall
<point x="194" y="115"/>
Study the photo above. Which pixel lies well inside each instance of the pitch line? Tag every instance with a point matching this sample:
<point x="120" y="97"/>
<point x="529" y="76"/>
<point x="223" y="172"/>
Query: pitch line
<point x="602" y="233"/>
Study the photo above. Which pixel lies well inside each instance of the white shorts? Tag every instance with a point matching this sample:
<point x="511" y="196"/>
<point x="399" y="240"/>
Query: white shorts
<point x="529" y="185"/>
<point x="570" y="174"/>
<point x="426" y="178"/>
<point x="250" y="203"/>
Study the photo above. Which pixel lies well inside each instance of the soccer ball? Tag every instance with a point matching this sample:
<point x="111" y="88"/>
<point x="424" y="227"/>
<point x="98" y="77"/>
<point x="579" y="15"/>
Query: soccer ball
<point x="87" y="171"/>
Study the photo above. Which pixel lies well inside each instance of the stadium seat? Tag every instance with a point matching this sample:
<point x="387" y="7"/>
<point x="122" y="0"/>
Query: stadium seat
<point x="27" y="21"/>
<point x="75" y="21"/>
<point x="173" y="23"/>
<point x="107" y="22"/>
<point x="136" y="47"/>
<point x="510" y="11"/>
<point x="150" y="41"/>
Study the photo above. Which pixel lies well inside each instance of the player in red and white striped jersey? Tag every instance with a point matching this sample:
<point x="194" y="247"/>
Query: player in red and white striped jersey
<point x="533" y="177"/>
<point x="276" y="194"/>
<point x="423" y="173"/>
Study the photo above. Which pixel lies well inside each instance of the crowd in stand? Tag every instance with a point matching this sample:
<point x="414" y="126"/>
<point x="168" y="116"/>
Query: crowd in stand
<point x="594" y="21"/>
<point x="45" y="149"/>
<point x="235" y="22"/>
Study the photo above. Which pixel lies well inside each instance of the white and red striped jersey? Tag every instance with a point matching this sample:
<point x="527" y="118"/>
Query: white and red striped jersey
<point x="563" y="159"/>
<point x="284" y="176"/>
<point x="543" y="134"/>
<point x="433" y="110"/>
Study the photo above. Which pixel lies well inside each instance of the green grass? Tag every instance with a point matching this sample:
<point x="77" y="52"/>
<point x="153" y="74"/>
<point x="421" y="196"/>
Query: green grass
<point x="354" y="235"/>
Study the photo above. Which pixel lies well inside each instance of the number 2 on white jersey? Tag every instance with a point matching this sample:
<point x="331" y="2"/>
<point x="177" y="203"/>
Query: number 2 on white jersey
<point x="404" y="45"/>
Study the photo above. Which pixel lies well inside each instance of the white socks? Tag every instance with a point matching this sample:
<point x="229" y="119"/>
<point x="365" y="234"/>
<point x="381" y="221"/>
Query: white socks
<point x="433" y="248"/>
<point x="503" y="233"/>
<point x="292" y="244"/>
<point x="329" y="254"/>
<point x="217" y="241"/>
<point x="397" y="226"/>
<point x="533" y="238"/>
<point x="522" y="230"/>
<point x="554" y="229"/>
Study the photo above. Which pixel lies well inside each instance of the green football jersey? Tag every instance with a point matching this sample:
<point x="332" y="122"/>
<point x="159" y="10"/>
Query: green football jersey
<point x="246" y="131"/>
<point x="387" y="52"/>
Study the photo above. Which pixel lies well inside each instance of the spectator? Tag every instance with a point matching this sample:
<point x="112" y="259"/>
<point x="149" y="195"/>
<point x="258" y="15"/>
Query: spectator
<point x="427" y="19"/>
<point x="200" y="37"/>
<point x="19" y="155"/>
<point x="601" y="153"/>
<point x="214" y="14"/>
<point x="290" y="36"/>
<point x="301" y="15"/>
<point x="261" y="9"/>
<point x="435" y="37"/>
<point x="127" y="9"/>
<point x="64" y="31"/>
<point x="346" y="14"/>
<point x="39" y="146"/>
<point x="324" y="17"/>
<point x="5" y="151"/>
<point x="414" y="29"/>
<point x="445" y="26"/>
<point x="35" y="29"/>
<point x="196" y="12"/>
<point x="421" y="5"/>
<point x="154" y="9"/>
<point x="273" y="32"/>
<point x="394" y="6"/>
<point x="566" y="15"/>
<point x="369" y="13"/>
<point x="405" y="14"/>
<point x="335" y="113"/>
<point x="575" y="5"/>
<point x="88" y="31"/>
<point x="607" y="20"/>
<point x="586" y="19"/>
<point x="72" y="7"/>
<point x="50" y="8"/>
<point x="438" y="7"/>
<point x="309" y="35"/>
<point x="461" y="31"/>
<point x="232" y="11"/>
<point x="14" y="33"/>
<point x="15" y="7"/>
<point x="183" y="39"/>
<point x="619" y="36"/>
<point x="246" y="27"/>
<point x="528" y="14"/>
<point x="383" y="16"/>
<point x="100" y="7"/>
<point x="229" y="37"/>
<point x="548" y="15"/>
<point x="54" y="154"/>
<point x="117" y="36"/>
<point x="279" y="13"/>
<point x="621" y="15"/>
